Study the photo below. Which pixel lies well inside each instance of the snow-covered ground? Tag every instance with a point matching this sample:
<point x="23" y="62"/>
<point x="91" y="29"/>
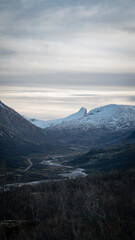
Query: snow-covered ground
<point x="51" y="123"/>
<point x="115" y="117"/>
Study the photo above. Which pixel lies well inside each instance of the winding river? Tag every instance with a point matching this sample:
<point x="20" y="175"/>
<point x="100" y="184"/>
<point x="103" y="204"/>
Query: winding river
<point x="69" y="174"/>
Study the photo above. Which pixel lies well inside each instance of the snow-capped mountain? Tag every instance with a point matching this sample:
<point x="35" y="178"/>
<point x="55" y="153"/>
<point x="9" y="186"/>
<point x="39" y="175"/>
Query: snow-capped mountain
<point x="114" y="117"/>
<point x="73" y="117"/>
<point x="99" y="127"/>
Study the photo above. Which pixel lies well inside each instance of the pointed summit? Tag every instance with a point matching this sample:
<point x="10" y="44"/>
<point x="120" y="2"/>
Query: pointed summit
<point x="110" y="116"/>
<point x="51" y="123"/>
<point x="80" y="114"/>
<point x="83" y="111"/>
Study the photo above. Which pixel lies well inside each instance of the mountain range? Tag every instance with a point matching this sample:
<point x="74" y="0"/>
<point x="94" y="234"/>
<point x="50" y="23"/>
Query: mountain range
<point x="100" y="129"/>
<point x="101" y="126"/>
<point x="115" y="117"/>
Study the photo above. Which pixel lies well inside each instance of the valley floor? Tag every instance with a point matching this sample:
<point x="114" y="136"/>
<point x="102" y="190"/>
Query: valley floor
<point x="41" y="168"/>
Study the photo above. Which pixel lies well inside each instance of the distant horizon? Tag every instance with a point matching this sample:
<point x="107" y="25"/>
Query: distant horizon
<point x="59" y="55"/>
<point x="88" y="110"/>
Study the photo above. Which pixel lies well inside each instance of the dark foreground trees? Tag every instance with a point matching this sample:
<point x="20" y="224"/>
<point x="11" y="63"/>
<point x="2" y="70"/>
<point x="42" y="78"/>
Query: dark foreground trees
<point x="101" y="206"/>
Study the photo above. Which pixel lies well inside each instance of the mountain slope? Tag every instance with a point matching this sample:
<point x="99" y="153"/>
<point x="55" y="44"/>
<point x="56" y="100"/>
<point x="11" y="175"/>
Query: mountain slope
<point x="107" y="125"/>
<point x="116" y="117"/>
<point x="18" y="137"/>
<point x="121" y="156"/>
<point x="51" y="123"/>
<point x="15" y="125"/>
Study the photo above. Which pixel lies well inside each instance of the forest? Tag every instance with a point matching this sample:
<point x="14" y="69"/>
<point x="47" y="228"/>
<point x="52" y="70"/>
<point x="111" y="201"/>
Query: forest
<point x="99" y="206"/>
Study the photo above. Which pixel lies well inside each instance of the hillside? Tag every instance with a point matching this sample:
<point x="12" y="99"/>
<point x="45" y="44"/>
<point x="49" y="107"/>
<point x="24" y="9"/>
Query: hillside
<point x="116" y="117"/>
<point x="19" y="138"/>
<point x="102" y="126"/>
<point x="121" y="156"/>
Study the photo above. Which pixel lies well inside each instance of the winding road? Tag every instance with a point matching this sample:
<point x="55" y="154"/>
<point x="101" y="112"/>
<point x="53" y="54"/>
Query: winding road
<point x="30" y="165"/>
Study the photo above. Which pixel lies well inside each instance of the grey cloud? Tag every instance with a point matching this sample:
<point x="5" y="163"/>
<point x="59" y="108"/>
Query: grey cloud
<point x="71" y="79"/>
<point x="85" y="95"/>
<point x="131" y="98"/>
<point x="6" y="52"/>
<point x="68" y="44"/>
<point x="57" y="26"/>
<point x="129" y="29"/>
<point x="48" y="108"/>
<point x="65" y="15"/>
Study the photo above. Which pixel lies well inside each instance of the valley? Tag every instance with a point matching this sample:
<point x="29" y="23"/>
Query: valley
<point x="67" y="120"/>
<point x="43" y="168"/>
<point x="100" y="140"/>
<point x="71" y="180"/>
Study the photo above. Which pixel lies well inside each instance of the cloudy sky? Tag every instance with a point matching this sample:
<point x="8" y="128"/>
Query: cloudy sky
<point x="59" y="55"/>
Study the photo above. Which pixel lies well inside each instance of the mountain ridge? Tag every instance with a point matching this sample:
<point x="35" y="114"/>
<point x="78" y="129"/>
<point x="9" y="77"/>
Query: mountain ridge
<point x="112" y="116"/>
<point x="106" y="125"/>
<point x="19" y="137"/>
<point x="50" y="123"/>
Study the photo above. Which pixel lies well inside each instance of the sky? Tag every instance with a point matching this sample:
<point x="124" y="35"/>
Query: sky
<point x="57" y="56"/>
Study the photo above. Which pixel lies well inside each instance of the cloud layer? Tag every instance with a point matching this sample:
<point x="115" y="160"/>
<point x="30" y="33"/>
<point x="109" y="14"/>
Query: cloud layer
<point x="87" y="45"/>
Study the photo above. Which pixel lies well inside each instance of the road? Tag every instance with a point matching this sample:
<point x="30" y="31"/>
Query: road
<point x="30" y="165"/>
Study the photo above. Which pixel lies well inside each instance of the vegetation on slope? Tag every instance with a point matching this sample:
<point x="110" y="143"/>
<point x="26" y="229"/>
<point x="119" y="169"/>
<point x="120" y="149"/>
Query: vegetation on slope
<point x="100" y="206"/>
<point x="120" y="156"/>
